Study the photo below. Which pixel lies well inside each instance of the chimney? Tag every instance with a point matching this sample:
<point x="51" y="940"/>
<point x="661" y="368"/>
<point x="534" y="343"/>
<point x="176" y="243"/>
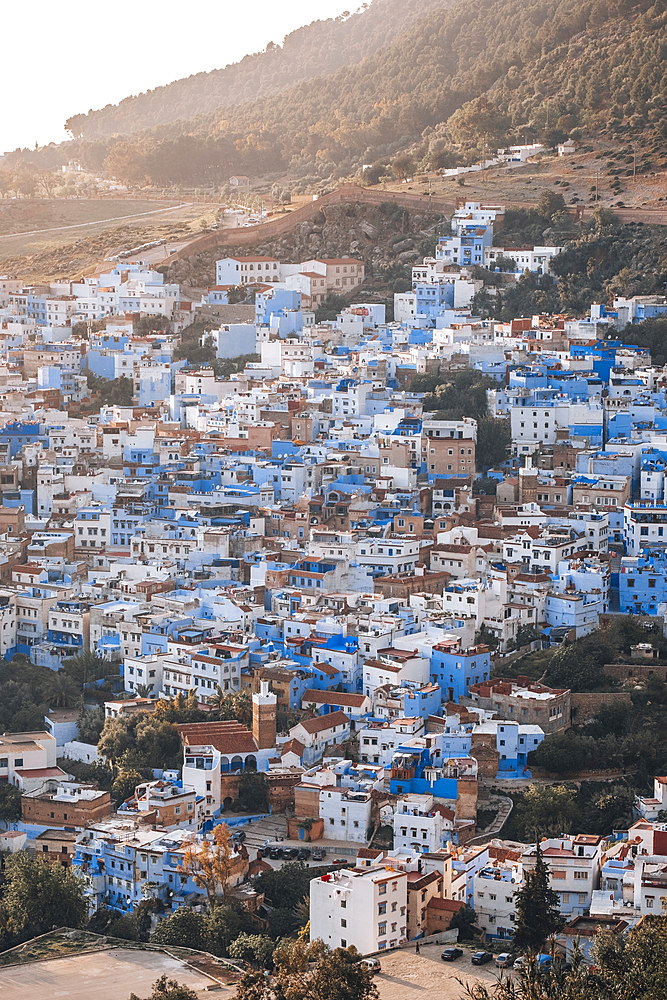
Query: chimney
<point x="264" y="717"/>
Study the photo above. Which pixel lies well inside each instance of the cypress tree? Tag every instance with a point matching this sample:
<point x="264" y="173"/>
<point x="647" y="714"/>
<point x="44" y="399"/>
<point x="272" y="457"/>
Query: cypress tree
<point x="537" y="911"/>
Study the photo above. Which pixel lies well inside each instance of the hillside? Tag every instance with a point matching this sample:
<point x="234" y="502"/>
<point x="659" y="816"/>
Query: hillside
<point x="461" y="80"/>
<point x="314" y="50"/>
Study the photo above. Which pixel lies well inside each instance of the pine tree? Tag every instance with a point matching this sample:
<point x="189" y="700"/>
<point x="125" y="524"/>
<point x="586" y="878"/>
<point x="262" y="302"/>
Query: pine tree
<point x="537" y="913"/>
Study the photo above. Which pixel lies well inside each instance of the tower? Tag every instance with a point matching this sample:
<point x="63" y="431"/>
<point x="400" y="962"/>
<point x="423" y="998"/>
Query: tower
<point x="264" y="717"/>
<point x="528" y="482"/>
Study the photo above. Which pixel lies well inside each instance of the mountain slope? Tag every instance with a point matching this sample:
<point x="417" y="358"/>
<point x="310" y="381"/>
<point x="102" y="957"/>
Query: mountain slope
<point x="463" y="76"/>
<point x="314" y="50"/>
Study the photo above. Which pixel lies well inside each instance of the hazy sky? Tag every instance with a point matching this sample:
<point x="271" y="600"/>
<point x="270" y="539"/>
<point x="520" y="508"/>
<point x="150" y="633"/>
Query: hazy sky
<point x="58" y="61"/>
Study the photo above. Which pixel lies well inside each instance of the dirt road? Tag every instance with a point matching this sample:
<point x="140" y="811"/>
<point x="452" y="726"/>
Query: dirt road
<point x="406" y="974"/>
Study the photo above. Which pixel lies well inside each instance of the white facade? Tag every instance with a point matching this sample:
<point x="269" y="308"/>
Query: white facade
<point x="346" y="814"/>
<point x="418" y="827"/>
<point x="366" y="909"/>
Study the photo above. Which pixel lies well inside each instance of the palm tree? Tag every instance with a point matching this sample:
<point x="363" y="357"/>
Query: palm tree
<point x="61" y="691"/>
<point x="218" y="701"/>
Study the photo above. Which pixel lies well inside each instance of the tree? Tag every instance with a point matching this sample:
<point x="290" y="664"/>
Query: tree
<point x="90" y="725"/>
<point x="493" y="440"/>
<point x="116" y="737"/>
<point x="626" y="967"/>
<point x="478" y="121"/>
<point x="551" y="809"/>
<point x="536" y="904"/>
<point x="126" y="162"/>
<point x="168" y="989"/>
<point x="184" y="928"/>
<point x="62" y="691"/>
<point x="210" y="864"/>
<point x="39" y="896"/>
<point x="286" y="886"/>
<point x="10" y="803"/>
<point x="311" y="972"/>
<point x="253" y="791"/>
<point x="254" y="948"/>
<point x="484" y="486"/>
<point x="464" y="919"/>
<point x="125" y="783"/>
<point x="403" y="166"/>
<point x="549" y="203"/>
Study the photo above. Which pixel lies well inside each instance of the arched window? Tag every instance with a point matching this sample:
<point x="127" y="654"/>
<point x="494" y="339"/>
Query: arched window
<point x="224" y="765"/>
<point x="237" y="763"/>
<point x="251" y="762"/>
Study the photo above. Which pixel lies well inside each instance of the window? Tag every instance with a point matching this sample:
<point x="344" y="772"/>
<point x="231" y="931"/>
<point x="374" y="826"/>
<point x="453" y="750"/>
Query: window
<point x="343" y="922"/>
<point x="382" y="889"/>
<point x="382" y="908"/>
<point x="382" y="929"/>
<point x="581" y="875"/>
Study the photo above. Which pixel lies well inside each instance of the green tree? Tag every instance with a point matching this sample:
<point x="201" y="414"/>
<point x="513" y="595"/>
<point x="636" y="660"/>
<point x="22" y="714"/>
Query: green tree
<point x="90" y="725"/>
<point x="551" y="809"/>
<point x="403" y="166"/>
<point x="10" y="803"/>
<point x="124" y="785"/>
<point x="62" y="691"/>
<point x="253" y="791"/>
<point x="311" y="972"/>
<point x="39" y="896"/>
<point x="254" y="948"/>
<point x="536" y="904"/>
<point x="493" y="441"/>
<point x="184" y="928"/>
<point x="168" y="989"/>
<point x="117" y="736"/>
<point x="464" y="919"/>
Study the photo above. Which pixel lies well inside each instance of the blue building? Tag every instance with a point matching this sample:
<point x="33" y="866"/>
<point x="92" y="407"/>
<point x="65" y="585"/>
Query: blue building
<point x="455" y="669"/>
<point x="642" y="582"/>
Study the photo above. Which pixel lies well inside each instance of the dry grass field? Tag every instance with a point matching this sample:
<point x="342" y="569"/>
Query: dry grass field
<point x="42" y="239"/>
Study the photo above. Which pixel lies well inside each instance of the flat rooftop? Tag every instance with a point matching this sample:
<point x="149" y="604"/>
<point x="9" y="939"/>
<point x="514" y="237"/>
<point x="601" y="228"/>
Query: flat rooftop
<point x="106" y="975"/>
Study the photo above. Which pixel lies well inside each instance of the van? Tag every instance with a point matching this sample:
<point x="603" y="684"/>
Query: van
<point x="372" y="964"/>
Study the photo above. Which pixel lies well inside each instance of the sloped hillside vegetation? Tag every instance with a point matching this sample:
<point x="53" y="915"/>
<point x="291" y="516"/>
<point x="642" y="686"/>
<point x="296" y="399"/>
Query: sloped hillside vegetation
<point x="461" y="80"/>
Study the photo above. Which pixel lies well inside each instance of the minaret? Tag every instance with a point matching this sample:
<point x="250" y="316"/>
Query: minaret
<point x="264" y="717"/>
<point x="528" y="482"/>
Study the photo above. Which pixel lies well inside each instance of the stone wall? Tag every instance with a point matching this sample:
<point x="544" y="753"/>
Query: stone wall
<point x="637" y="670"/>
<point x="587" y="703"/>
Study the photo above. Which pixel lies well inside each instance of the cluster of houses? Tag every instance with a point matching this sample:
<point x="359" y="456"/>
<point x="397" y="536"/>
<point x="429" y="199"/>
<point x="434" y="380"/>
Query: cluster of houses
<point x="305" y="533"/>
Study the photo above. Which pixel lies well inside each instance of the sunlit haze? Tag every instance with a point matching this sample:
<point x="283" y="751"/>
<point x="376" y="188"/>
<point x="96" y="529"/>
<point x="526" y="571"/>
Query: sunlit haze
<point x="86" y="55"/>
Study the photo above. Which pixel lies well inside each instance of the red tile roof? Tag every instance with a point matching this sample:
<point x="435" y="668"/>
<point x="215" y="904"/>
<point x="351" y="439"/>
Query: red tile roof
<point x="333" y="698"/>
<point x="324" y="722"/>
<point x="445" y="904"/>
<point x="227" y="737"/>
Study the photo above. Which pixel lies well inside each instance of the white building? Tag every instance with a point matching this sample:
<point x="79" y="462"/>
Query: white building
<point x="419" y="825"/>
<point x="367" y="909"/>
<point x="574" y="863"/>
<point x="346" y="814"/>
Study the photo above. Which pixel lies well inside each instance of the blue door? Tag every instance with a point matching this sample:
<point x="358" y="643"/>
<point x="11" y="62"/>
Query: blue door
<point x="302" y="833"/>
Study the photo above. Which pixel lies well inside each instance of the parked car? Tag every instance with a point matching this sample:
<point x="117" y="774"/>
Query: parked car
<point x="544" y="963"/>
<point x="290" y="853"/>
<point x="372" y="964"/>
<point x="504" y="960"/>
<point x="276" y="852"/>
<point x="238" y="836"/>
<point x="341" y="861"/>
<point x="520" y="962"/>
<point x="303" y="853"/>
<point x="481" y="957"/>
<point x="451" y="954"/>
<point x="319" y="853"/>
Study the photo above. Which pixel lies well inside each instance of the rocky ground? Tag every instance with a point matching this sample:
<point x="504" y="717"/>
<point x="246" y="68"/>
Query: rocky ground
<point x="380" y="238"/>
